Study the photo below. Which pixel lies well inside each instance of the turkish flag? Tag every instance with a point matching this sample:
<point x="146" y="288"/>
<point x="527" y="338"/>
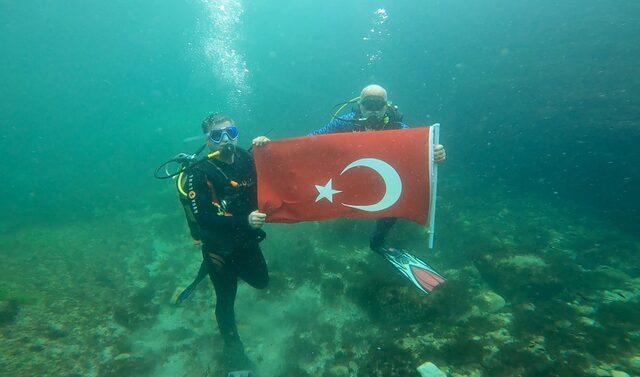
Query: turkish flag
<point x="358" y="174"/>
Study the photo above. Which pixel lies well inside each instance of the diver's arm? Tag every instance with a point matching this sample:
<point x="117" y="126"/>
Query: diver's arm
<point x="336" y="125"/>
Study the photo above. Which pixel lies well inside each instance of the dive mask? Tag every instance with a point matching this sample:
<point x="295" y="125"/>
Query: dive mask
<point x="216" y="135"/>
<point x="373" y="103"/>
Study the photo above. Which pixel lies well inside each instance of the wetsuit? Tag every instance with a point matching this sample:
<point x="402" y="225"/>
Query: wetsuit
<point x="219" y="199"/>
<point x="350" y="123"/>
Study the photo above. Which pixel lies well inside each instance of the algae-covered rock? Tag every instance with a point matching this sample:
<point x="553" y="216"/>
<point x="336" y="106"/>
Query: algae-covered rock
<point x="562" y="324"/>
<point x="619" y="373"/>
<point x="526" y="262"/>
<point x="588" y="321"/>
<point x="491" y="302"/>
<point x="613" y="275"/>
<point x="501" y="336"/>
<point x="601" y="372"/>
<point x="617" y="295"/>
<point x="122" y="357"/>
<point x="339" y="371"/>
<point x="126" y="365"/>
<point x="585" y="310"/>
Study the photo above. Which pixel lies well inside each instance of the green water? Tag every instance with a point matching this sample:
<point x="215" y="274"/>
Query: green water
<point x="538" y="201"/>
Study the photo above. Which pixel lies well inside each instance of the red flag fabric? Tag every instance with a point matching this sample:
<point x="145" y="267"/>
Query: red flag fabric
<point x="356" y="174"/>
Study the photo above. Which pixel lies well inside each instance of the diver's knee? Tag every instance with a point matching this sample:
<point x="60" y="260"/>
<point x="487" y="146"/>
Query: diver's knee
<point x="262" y="283"/>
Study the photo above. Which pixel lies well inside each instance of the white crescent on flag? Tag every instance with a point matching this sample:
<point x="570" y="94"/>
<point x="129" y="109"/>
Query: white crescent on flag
<point x="391" y="178"/>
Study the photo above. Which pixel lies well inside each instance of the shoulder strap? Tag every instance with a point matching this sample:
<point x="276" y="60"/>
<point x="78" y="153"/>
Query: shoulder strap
<point x="245" y="153"/>
<point x="394" y="114"/>
<point x="215" y="174"/>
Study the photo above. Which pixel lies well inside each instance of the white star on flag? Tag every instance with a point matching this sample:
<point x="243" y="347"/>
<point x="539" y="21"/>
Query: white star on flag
<point x="326" y="191"/>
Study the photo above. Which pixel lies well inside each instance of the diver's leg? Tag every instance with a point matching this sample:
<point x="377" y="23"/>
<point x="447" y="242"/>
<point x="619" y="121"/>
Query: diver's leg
<point x="383" y="226"/>
<point x="252" y="267"/>
<point x="222" y="272"/>
<point x="225" y="284"/>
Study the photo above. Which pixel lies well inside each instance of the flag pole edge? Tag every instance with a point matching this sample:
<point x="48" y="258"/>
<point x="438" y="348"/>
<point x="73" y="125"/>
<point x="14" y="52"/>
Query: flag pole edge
<point x="433" y="181"/>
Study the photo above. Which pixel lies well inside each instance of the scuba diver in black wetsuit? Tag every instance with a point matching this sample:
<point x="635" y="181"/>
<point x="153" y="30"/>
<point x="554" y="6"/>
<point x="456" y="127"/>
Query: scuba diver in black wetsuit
<point x="219" y="197"/>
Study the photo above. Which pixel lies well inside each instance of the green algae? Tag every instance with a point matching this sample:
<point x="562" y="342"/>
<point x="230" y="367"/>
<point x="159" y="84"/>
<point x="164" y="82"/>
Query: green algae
<point x="333" y="307"/>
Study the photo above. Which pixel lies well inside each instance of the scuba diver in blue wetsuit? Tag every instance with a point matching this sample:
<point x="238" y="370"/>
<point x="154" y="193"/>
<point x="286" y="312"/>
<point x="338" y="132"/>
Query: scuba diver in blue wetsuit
<point x="373" y="113"/>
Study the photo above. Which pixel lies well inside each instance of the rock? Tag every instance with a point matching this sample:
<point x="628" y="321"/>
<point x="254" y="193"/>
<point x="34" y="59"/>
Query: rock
<point x="501" y="335"/>
<point x="429" y="369"/>
<point x="126" y="365"/>
<point x="122" y="357"/>
<point x="587" y="321"/>
<point x="339" y="371"/>
<point x="601" y="372"/>
<point x="562" y="324"/>
<point x="634" y="362"/>
<point x="491" y="302"/>
<point x="585" y="309"/>
<point x="526" y="262"/>
<point x="618" y="373"/>
<point x="617" y="295"/>
<point x="613" y="274"/>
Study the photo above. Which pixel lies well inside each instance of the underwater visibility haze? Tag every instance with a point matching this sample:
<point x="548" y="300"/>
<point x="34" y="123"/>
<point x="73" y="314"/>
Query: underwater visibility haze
<point x="538" y="206"/>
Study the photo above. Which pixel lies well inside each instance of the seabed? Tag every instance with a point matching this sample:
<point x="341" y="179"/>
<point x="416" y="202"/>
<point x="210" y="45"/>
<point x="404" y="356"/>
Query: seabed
<point x="534" y="288"/>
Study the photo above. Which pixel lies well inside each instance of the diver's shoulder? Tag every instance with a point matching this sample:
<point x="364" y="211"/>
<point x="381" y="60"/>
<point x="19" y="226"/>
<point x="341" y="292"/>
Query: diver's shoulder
<point x="349" y="115"/>
<point x="244" y="154"/>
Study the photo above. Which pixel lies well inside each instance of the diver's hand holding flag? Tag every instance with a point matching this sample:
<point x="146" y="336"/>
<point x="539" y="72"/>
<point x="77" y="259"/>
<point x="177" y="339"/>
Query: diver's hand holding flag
<point x="363" y="174"/>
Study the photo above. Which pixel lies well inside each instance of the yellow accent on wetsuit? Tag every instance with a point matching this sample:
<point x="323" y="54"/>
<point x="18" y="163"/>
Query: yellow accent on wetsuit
<point x="210" y="155"/>
<point x="180" y="184"/>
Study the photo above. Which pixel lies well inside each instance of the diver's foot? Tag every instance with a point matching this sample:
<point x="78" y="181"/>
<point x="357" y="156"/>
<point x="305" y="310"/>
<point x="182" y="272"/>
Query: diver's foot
<point x="383" y="249"/>
<point x="378" y="249"/>
<point x="236" y="361"/>
<point x="175" y="297"/>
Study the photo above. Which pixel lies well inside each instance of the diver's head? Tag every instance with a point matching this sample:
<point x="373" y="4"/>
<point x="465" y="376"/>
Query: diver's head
<point x="373" y="103"/>
<point x="220" y="133"/>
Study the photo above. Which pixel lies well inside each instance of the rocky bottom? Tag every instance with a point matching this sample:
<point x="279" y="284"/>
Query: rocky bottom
<point x="534" y="289"/>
